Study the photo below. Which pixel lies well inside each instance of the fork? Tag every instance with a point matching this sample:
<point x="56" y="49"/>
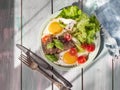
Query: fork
<point x="34" y="66"/>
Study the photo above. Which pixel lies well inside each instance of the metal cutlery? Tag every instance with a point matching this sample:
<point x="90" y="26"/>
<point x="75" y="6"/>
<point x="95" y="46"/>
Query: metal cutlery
<point x="43" y="64"/>
<point x="34" y="66"/>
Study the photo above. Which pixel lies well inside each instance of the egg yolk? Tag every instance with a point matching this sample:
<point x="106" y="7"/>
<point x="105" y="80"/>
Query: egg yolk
<point x="55" y="28"/>
<point x="69" y="59"/>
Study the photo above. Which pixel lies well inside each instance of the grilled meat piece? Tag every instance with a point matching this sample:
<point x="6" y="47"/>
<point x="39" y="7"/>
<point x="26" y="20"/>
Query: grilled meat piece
<point x="54" y="50"/>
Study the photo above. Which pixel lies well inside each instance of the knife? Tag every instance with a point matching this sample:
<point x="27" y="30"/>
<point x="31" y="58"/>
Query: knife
<point x="43" y="64"/>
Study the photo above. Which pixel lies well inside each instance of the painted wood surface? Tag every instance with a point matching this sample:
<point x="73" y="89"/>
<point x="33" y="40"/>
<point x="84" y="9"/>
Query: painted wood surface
<point x="9" y="76"/>
<point x="17" y="76"/>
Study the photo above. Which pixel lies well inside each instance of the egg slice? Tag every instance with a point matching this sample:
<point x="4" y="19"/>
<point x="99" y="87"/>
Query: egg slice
<point x="55" y="28"/>
<point x="66" y="58"/>
<point x="69" y="59"/>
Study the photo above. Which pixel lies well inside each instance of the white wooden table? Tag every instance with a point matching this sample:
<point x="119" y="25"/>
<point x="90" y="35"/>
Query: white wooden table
<point x="97" y="76"/>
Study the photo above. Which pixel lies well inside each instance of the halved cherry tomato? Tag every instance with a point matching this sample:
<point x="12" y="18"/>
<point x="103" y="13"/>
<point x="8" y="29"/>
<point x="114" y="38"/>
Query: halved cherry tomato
<point x="45" y="38"/>
<point x="73" y="51"/>
<point x="89" y="47"/>
<point x="67" y="37"/>
<point x="82" y="59"/>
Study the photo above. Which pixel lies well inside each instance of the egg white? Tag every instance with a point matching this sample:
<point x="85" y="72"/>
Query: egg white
<point x="61" y="62"/>
<point x="46" y="31"/>
<point x="65" y="21"/>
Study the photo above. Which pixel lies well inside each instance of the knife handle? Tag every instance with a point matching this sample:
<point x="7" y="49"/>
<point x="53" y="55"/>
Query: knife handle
<point x="60" y="77"/>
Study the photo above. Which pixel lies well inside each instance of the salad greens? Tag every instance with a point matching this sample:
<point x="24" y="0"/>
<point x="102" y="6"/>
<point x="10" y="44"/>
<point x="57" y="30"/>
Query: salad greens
<point x="50" y="45"/>
<point x="72" y="12"/>
<point x="62" y="24"/>
<point x="86" y="27"/>
<point x="58" y="44"/>
<point x="51" y="57"/>
<point x="83" y="32"/>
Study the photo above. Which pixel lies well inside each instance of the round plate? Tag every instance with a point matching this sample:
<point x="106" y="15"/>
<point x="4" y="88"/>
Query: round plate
<point x="91" y="56"/>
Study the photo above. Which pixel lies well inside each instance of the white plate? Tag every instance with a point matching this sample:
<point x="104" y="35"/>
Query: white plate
<point x="91" y="57"/>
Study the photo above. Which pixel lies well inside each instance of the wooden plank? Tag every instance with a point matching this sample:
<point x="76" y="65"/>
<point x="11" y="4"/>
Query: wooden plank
<point x="34" y="13"/>
<point x="9" y="75"/>
<point x="96" y="77"/>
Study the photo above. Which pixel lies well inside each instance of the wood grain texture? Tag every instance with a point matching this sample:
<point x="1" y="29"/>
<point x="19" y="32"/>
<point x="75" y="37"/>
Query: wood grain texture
<point x="97" y="76"/>
<point x="9" y="76"/>
<point x="34" y="14"/>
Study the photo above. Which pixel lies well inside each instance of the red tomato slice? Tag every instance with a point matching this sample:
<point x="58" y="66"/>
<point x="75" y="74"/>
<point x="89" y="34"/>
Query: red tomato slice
<point x="82" y="59"/>
<point x="67" y="36"/>
<point x="90" y="47"/>
<point x="45" y="38"/>
<point x="73" y="51"/>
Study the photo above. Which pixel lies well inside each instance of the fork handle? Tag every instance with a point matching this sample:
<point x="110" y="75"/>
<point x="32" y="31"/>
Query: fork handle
<point x="53" y="80"/>
<point x="66" y="82"/>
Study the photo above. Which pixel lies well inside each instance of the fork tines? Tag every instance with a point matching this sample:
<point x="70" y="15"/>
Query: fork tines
<point x="24" y="59"/>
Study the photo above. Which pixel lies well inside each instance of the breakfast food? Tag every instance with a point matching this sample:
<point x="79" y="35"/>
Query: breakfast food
<point x="69" y="38"/>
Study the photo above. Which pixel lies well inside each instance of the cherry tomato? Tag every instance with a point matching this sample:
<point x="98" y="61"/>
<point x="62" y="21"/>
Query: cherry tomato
<point x="45" y="38"/>
<point x="67" y="36"/>
<point x="73" y="51"/>
<point x="82" y="59"/>
<point x="90" y="47"/>
<point x="84" y="45"/>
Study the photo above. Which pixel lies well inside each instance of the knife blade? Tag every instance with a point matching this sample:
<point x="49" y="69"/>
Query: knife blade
<point x="35" y="57"/>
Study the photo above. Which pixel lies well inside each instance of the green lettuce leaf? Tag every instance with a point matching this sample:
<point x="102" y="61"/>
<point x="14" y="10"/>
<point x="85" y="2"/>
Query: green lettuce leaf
<point x="51" y="57"/>
<point x="58" y="44"/>
<point x="50" y="45"/>
<point x="87" y="26"/>
<point x="72" y="12"/>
